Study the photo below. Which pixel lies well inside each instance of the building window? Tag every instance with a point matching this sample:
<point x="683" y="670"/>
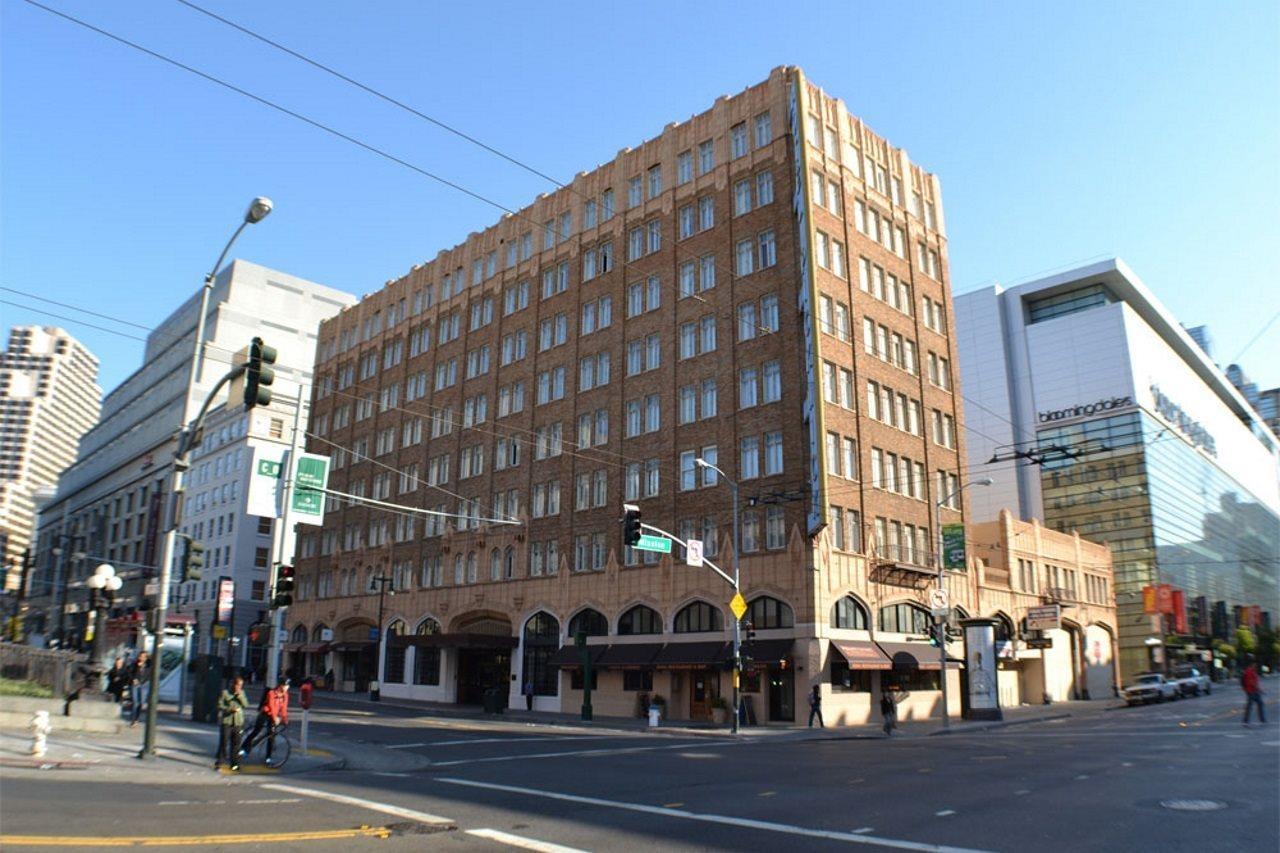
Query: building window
<point x="394" y="659"/>
<point x="848" y="613"/>
<point x="904" y="618"/>
<point x="699" y="617"/>
<point x="640" y="620"/>
<point x="590" y="622"/>
<point x="541" y="641"/>
<point x="768" y="612"/>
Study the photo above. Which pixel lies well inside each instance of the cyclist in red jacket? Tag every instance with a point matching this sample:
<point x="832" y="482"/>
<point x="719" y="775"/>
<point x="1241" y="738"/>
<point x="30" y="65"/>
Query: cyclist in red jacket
<point x="273" y="711"/>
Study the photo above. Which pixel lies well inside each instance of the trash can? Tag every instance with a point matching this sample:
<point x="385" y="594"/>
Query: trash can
<point x="655" y="716"/>
<point x="493" y="703"/>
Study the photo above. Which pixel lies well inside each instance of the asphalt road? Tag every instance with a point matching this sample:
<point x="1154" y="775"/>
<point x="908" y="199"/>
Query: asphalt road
<point x="1117" y="780"/>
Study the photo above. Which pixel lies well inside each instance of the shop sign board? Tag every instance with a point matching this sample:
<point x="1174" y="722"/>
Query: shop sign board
<point x="1046" y="617"/>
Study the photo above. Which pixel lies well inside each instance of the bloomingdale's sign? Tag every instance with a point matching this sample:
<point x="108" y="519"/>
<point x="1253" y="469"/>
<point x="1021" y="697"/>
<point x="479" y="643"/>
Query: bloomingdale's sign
<point x="1173" y="413"/>
<point x="1085" y="410"/>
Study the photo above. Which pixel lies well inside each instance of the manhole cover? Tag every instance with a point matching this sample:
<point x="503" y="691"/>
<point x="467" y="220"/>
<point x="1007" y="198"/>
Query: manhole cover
<point x="1193" y="805"/>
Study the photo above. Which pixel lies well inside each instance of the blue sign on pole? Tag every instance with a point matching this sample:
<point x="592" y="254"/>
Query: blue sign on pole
<point x="373" y="634"/>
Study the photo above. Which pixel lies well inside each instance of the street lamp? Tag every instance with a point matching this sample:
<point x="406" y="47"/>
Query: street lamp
<point x="942" y="641"/>
<point x="104" y="583"/>
<point x="258" y="210"/>
<point x="737" y="626"/>
<point x="375" y="688"/>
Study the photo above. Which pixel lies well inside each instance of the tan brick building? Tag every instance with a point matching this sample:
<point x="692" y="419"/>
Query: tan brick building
<point x="1018" y="565"/>
<point x="764" y="284"/>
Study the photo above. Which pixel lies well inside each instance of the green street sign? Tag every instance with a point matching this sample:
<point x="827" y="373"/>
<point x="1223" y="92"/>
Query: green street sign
<point x="648" y="542"/>
<point x="267" y="468"/>
<point x="310" y="478"/>
<point x="953" y="553"/>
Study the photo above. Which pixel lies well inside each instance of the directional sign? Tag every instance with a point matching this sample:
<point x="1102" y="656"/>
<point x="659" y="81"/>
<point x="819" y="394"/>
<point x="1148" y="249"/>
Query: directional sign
<point x="648" y="542"/>
<point x="693" y="553"/>
<point x="738" y="605"/>
<point x="310" y="478"/>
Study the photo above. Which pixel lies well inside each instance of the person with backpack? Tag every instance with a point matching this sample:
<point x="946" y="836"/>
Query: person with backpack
<point x="231" y="705"/>
<point x="1252" y="693"/>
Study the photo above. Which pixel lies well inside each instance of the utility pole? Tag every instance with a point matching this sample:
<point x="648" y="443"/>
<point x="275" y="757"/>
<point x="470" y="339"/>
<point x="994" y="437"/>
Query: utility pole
<point x="258" y="210"/>
<point x="281" y="534"/>
<point x="940" y="629"/>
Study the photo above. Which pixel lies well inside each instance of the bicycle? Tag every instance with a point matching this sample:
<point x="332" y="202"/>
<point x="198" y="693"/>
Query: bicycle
<point x="270" y="750"/>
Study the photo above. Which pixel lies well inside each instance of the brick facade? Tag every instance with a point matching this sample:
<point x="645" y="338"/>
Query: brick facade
<point x="796" y="557"/>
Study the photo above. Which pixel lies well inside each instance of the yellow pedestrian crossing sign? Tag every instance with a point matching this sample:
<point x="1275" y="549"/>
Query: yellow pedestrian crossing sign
<point x="738" y="605"/>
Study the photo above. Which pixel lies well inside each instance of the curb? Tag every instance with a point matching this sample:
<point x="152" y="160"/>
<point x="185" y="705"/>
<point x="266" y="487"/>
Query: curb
<point x="41" y="764"/>
<point x="1004" y="724"/>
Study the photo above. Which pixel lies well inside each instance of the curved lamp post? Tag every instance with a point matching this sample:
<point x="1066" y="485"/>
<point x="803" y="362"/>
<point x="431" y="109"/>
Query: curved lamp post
<point x="103" y="584"/>
<point x="942" y="643"/>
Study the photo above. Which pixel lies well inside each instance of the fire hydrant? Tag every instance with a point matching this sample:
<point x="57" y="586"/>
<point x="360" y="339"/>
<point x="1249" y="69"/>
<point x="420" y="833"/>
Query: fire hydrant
<point x="40" y="729"/>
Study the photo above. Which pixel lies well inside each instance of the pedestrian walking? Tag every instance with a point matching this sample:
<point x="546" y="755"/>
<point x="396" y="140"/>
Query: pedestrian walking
<point x="273" y="711"/>
<point x="527" y="690"/>
<point x="118" y="680"/>
<point x="815" y="707"/>
<point x="1252" y="693"/>
<point x="889" y="711"/>
<point x="231" y="705"/>
<point x="139" y="685"/>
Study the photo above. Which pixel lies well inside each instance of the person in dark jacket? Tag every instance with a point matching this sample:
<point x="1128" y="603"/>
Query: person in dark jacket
<point x="231" y="705"/>
<point x="889" y="711"/>
<point x="139" y="685"/>
<point x="815" y="706"/>
<point x="118" y="680"/>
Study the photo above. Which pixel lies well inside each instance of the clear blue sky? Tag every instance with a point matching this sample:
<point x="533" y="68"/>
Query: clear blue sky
<point x="1146" y="130"/>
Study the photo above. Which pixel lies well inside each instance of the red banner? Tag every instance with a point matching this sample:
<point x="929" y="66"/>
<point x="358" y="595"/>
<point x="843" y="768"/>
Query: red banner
<point x="1179" y="612"/>
<point x="1149" y="599"/>
<point x="1164" y="598"/>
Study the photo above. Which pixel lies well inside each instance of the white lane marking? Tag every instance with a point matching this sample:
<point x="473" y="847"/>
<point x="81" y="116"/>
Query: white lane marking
<point x="1082" y="776"/>
<point x="174" y="803"/>
<point x="521" y="841"/>
<point x="407" y="745"/>
<point x="944" y="813"/>
<point x="863" y="830"/>
<point x="580" y="752"/>
<point x="739" y="822"/>
<point x="1271" y="743"/>
<point x="530" y="739"/>
<point x="372" y="805"/>
<point x="268" y="802"/>
<point x="1021" y="793"/>
<point x="392" y="775"/>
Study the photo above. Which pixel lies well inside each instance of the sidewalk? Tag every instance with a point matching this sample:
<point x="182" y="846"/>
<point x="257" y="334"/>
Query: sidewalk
<point x="183" y="748"/>
<point x="518" y="716"/>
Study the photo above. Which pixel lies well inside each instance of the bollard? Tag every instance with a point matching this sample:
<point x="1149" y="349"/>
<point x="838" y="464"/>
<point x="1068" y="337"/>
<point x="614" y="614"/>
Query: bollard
<point x="40" y="729"/>
<point x="306" y="720"/>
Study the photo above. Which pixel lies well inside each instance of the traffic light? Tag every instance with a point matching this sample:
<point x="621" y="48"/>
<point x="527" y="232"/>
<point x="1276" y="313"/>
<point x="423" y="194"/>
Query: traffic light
<point x="630" y="524"/>
<point x="192" y="560"/>
<point x="284" y="587"/>
<point x="257" y="375"/>
<point x="751" y="630"/>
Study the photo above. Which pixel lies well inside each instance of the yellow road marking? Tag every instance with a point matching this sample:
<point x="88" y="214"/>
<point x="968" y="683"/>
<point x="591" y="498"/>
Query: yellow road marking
<point x="190" y="840"/>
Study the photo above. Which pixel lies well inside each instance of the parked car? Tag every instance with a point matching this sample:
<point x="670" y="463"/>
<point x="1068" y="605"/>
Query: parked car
<point x="1191" y="681"/>
<point x="1150" y="687"/>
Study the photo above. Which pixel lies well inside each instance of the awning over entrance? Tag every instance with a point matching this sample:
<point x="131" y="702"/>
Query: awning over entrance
<point x="351" y="645"/>
<point x="571" y="655"/>
<point x="907" y="656"/>
<point x="714" y="653"/>
<point x="766" y="651"/>
<point x="862" y="654"/>
<point x="463" y="641"/>
<point x="314" y="648"/>
<point x="624" y="655"/>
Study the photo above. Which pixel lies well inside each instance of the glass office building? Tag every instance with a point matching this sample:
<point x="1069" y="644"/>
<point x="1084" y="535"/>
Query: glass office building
<point x="1091" y="408"/>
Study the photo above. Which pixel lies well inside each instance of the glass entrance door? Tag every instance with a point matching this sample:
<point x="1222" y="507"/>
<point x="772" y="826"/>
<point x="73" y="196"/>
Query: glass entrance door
<point x="782" y="694"/>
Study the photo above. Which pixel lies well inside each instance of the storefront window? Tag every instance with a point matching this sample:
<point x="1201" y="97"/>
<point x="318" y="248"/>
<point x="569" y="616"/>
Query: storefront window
<point x="845" y="680"/>
<point x="393" y="665"/>
<point x="916" y="679"/>
<point x="541" y="641"/>
<point x="426" y="667"/>
<point x="637" y="679"/>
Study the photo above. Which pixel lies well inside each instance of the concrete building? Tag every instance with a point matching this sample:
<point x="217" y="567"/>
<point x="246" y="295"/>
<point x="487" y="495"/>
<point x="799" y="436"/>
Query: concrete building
<point x="49" y="398"/>
<point x="109" y="504"/>
<point x="763" y="285"/>
<point x="1136" y="440"/>
<point x="1020" y="565"/>
<point x="238" y="543"/>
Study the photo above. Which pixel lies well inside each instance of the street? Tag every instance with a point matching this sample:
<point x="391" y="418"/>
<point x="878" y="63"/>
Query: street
<point x="1182" y="775"/>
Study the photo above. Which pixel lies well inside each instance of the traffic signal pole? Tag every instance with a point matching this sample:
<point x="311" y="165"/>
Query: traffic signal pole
<point x="280" y="535"/>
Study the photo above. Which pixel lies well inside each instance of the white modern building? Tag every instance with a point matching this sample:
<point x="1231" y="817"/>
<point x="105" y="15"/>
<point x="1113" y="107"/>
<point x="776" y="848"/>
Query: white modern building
<point x="109" y="504"/>
<point x="49" y="398"/>
<point x="1091" y="407"/>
